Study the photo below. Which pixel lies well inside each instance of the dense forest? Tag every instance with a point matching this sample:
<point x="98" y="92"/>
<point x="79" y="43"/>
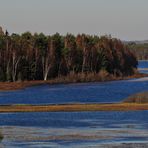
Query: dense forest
<point x="139" y="49"/>
<point x="41" y="57"/>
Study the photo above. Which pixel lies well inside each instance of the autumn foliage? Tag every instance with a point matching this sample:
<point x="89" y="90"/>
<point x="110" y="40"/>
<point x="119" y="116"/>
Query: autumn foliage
<point x="41" y="57"/>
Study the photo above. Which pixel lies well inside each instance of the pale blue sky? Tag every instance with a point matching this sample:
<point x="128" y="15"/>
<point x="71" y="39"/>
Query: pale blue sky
<point x="124" y="19"/>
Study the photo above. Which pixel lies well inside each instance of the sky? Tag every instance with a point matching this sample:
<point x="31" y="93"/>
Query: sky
<point x="124" y="19"/>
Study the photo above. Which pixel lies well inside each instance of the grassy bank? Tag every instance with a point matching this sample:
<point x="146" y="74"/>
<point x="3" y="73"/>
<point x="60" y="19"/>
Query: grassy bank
<point x="74" y="107"/>
<point x="73" y="78"/>
<point x="138" y="98"/>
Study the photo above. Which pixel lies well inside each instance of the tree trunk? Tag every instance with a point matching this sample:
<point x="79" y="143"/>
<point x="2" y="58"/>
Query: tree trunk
<point x="8" y="71"/>
<point x="46" y="67"/>
<point x="84" y="60"/>
<point x="15" y="62"/>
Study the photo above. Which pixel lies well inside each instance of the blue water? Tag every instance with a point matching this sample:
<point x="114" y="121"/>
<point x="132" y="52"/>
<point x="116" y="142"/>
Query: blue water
<point x="73" y="93"/>
<point x="49" y="129"/>
<point x="45" y="129"/>
<point x="143" y="65"/>
<point x="75" y="119"/>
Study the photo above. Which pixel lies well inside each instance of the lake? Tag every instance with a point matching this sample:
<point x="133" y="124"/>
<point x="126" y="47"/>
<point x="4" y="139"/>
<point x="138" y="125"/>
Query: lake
<point x="75" y="129"/>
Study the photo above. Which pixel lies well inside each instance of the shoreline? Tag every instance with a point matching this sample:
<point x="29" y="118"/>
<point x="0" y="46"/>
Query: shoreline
<point x="10" y="86"/>
<point x="73" y="107"/>
<point x="121" y="106"/>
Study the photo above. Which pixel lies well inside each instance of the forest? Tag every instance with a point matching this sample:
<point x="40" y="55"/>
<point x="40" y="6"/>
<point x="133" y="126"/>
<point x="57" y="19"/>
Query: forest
<point x="41" y="57"/>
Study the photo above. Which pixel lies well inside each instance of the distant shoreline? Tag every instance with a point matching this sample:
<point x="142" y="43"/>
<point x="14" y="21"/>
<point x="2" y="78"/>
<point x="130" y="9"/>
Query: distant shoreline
<point x="143" y="60"/>
<point x="74" y="107"/>
<point x="10" y="86"/>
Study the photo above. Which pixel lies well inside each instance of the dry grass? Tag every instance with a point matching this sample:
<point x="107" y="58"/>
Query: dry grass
<point x="72" y="78"/>
<point x="138" y="98"/>
<point x="74" y="107"/>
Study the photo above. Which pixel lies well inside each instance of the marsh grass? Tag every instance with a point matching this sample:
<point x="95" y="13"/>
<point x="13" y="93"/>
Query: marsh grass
<point x="138" y="98"/>
<point x="74" y="107"/>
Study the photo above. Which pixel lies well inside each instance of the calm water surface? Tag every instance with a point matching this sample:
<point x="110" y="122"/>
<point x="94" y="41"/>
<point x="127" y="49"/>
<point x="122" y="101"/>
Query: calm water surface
<point x="76" y="129"/>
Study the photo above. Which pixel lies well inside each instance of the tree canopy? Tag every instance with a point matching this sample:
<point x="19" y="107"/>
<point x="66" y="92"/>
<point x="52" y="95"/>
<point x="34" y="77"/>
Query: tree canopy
<point x="41" y="57"/>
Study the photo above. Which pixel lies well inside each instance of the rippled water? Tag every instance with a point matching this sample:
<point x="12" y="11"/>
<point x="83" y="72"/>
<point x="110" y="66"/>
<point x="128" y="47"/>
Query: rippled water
<point x="74" y="129"/>
<point x="73" y="93"/>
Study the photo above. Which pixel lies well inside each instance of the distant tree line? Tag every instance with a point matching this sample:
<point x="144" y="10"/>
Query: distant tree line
<point x="41" y="57"/>
<point x="139" y="49"/>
